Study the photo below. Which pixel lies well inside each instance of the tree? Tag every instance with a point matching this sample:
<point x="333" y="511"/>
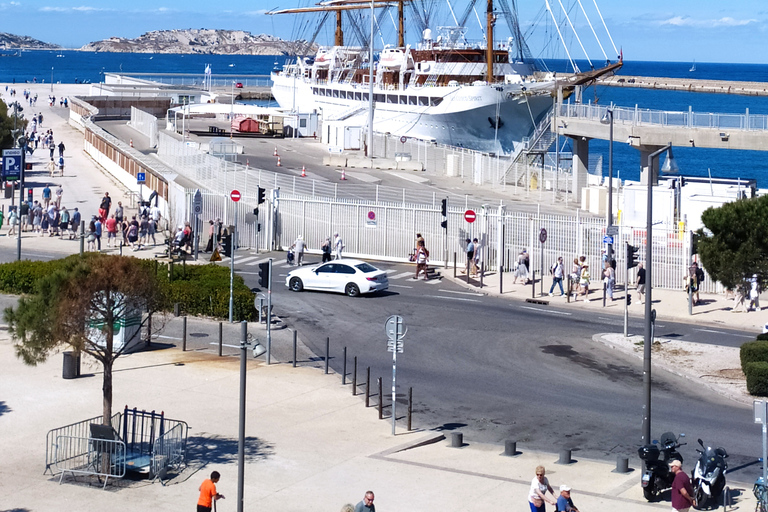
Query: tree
<point x="6" y="126"/>
<point x="79" y="306"/>
<point x="734" y="245"/>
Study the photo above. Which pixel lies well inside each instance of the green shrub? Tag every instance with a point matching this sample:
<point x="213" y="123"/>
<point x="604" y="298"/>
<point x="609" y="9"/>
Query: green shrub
<point x="757" y="378"/>
<point x="753" y="351"/>
<point x="763" y="336"/>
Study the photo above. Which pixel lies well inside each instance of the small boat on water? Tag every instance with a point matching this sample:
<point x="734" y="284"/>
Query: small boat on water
<point x="693" y="67"/>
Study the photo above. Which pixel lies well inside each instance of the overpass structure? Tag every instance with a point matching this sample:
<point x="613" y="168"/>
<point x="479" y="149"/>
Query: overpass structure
<point x="650" y="130"/>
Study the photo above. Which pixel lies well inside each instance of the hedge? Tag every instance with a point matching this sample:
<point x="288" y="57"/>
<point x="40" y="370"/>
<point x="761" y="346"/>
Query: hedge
<point x="753" y="351"/>
<point x="757" y="378"/>
<point x="200" y="289"/>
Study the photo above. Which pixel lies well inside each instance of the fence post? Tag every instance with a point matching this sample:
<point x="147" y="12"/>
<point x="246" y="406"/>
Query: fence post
<point x="367" y="386"/>
<point x="221" y="337"/>
<point x="381" y="405"/>
<point x="454" y="265"/>
<point x="354" y="377"/>
<point x="410" y="407"/>
<point x="568" y="292"/>
<point x="344" y="370"/>
<point x="184" y="334"/>
<point x="327" y="352"/>
<point x="533" y="285"/>
<point x="295" y="335"/>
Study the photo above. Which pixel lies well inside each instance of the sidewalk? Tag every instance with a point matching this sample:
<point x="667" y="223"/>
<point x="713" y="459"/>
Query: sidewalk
<point x="311" y="444"/>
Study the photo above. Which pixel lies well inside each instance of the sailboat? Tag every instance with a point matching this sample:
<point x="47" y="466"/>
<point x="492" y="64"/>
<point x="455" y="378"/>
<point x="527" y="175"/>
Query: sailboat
<point x="483" y="96"/>
<point x="693" y="66"/>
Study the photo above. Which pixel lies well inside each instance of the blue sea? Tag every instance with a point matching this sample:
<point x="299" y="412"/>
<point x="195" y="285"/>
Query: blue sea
<point x="75" y="66"/>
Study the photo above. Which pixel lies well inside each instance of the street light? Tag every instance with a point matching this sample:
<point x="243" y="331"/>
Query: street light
<point x="51" y="78"/>
<point x="608" y="119"/>
<point x="669" y="166"/>
<point x="231" y="109"/>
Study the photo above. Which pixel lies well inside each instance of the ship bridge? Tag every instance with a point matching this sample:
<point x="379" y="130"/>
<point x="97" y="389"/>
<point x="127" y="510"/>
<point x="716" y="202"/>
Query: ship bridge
<point x="649" y="130"/>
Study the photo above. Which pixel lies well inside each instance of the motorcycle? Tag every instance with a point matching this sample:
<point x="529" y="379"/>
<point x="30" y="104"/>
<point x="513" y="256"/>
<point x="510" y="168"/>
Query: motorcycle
<point x="656" y="476"/>
<point x="708" y="476"/>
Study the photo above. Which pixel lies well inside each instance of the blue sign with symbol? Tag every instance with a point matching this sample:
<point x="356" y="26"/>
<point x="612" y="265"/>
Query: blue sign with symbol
<point x="141" y="177"/>
<point x="12" y="164"/>
<point x="607" y="239"/>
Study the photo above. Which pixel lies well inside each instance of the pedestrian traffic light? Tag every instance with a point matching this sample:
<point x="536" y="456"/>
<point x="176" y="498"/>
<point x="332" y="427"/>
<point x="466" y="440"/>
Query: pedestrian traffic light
<point x="226" y="245"/>
<point x="631" y="256"/>
<point x="262" y="193"/>
<point x="256" y="212"/>
<point x="264" y="275"/>
<point x="694" y="243"/>
<point x="444" y="208"/>
<point x="629" y="299"/>
<point x="444" y="224"/>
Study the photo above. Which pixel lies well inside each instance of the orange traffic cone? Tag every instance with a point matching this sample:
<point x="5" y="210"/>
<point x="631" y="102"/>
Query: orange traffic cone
<point x="247" y="162"/>
<point x="131" y="142"/>
<point x="343" y="175"/>
<point x="303" y="172"/>
<point x="278" y="161"/>
<point x="275" y="153"/>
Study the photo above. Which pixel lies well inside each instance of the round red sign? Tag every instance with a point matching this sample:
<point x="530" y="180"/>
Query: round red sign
<point x="371" y="215"/>
<point x="470" y="216"/>
<point x="235" y="195"/>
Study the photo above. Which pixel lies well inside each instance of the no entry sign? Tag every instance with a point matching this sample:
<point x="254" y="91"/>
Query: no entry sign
<point x="470" y="216"/>
<point x="235" y="195"/>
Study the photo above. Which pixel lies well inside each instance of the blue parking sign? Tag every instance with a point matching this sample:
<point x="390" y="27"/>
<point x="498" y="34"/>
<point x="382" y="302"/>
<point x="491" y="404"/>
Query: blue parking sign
<point x="607" y="239"/>
<point x="12" y="164"/>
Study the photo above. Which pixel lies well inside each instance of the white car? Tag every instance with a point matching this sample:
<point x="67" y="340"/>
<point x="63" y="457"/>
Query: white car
<point x="352" y="277"/>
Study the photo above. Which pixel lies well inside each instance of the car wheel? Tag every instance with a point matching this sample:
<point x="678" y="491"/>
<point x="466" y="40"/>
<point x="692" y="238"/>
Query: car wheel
<point x="352" y="290"/>
<point x="296" y="284"/>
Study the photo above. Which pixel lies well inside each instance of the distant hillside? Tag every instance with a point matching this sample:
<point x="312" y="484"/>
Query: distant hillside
<point x="12" y="42"/>
<point x="203" y="41"/>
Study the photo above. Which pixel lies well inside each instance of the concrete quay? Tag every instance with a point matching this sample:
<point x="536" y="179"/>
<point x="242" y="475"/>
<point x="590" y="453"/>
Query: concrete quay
<point x="688" y="85"/>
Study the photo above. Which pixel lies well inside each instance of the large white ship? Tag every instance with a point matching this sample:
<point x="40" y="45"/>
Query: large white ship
<point x="443" y="89"/>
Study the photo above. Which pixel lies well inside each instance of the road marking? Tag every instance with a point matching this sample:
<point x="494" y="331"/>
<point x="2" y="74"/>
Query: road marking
<point x="390" y="270"/>
<point x="452" y="298"/>
<point x="399" y="286"/>
<point x="247" y="273"/>
<point x="249" y="258"/>
<point x="224" y="344"/>
<point x="167" y="337"/>
<point x="462" y="293"/>
<point x="542" y="310"/>
<point x="404" y="274"/>
<point x="433" y="281"/>
<point x="726" y="333"/>
<point x="257" y="262"/>
<point x="284" y="266"/>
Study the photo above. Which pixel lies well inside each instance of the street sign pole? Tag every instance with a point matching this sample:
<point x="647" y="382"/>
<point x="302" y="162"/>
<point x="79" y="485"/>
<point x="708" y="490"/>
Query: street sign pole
<point x="626" y="294"/>
<point x="395" y="334"/>
<point x="269" y="315"/>
<point x="21" y="200"/>
<point x="760" y="408"/>
<point x="235" y="196"/>
<point x="542" y="239"/>
<point x="197" y="209"/>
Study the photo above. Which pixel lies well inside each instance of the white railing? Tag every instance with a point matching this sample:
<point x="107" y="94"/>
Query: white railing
<point x="144" y="123"/>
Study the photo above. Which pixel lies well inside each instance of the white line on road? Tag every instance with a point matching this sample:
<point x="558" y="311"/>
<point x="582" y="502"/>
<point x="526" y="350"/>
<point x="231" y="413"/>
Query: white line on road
<point x="433" y="281"/>
<point x="248" y="273"/>
<point x="390" y="270"/>
<point x="462" y="293"/>
<point x="452" y="298"/>
<point x="284" y="266"/>
<point x="264" y="260"/>
<point x="399" y="286"/>
<point x="726" y="333"/>
<point x="167" y="337"/>
<point x="404" y="274"/>
<point x="542" y="310"/>
<point x="243" y="260"/>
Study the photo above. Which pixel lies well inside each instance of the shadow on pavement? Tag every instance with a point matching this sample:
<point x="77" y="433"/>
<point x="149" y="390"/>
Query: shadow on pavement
<point x="213" y="449"/>
<point x="4" y="409"/>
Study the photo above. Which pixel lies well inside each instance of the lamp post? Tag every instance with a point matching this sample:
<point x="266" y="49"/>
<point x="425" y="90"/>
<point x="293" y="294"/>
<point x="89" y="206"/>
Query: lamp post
<point x="51" y="78"/>
<point x="231" y="109"/>
<point x="670" y="166"/>
<point x="608" y="119"/>
<point x="370" y="89"/>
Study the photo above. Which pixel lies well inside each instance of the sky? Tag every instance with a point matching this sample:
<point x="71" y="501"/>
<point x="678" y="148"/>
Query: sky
<point x="648" y="30"/>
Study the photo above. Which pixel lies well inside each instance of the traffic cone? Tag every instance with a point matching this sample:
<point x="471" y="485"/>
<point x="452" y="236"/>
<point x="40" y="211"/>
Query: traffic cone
<point x="343" y="175"/>
<point x="131" y="142"/>
<point x="303" y="172"/>
<point x="278" y="161"/>
<point x="275" y="153"/>
<point x="247" y="162"/>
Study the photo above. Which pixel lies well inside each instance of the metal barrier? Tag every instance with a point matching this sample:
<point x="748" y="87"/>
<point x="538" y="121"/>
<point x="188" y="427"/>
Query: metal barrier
<point x="90" y="456"/>
<point x="169" y="452"/>
<point x="81" y="429"/>
<point x="142" y="431"/>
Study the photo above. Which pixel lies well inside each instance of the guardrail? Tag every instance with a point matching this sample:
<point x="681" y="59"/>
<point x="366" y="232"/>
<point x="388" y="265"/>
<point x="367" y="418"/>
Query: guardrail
<point x="79" y="429"/>
<point x="90" y="456"/>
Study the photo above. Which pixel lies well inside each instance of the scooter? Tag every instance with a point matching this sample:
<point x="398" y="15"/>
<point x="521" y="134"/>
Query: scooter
<point x="708" y="476"/>
<point x="656" y="476"/>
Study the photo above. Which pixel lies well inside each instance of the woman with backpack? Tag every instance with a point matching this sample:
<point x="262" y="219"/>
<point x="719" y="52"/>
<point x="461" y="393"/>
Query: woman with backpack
<point x="421" y="257"/>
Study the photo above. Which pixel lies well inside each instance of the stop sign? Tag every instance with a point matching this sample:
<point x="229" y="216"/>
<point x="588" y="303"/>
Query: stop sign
<point x="470" y="216"/>
<point x="235" y="195"/>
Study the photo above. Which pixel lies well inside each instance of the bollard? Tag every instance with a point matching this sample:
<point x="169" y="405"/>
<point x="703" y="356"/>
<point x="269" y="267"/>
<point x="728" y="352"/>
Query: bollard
<point x="410" y="407"/>
<point x="327" y="351"/>
<point x="622" y="465"/>
<point x="344" y="369"/>
<point x="184" y="334"/>
<point x="565" y="457"/>
<point x="454" y="265"/>
<point x="726" y="498"/>
<point x="295" y="335"/>
<point x="457" y="439"/>
<point x="605" y="288"/>
<point x="533" y="284"/>
<point x="481" y="274"/>
<point x="176" y="309"/>
<point x="121" y="248"/>
<point x="221" y="337"/>
<point x="381" y="402"/>
<point x="82" y="237"/>
<point x="510" y="449"/>
<point x="368" y="387"/>
<point x="354" y="377"/>
<point x="568" y="293"/>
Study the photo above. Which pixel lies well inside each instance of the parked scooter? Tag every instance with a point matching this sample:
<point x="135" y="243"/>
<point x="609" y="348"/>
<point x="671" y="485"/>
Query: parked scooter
<point x="708" y="477"/>
<point x="656" y="476"/>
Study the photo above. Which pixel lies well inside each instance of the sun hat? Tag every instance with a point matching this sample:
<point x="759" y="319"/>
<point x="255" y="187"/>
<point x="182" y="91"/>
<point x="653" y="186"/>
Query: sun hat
<point x="564" y="488"/>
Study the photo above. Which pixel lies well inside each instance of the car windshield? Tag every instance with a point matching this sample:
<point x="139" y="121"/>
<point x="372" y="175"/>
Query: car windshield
<point x="366" y="268"/>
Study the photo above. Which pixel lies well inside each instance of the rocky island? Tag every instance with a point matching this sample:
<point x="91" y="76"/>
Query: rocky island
<point x="14" y="42"/>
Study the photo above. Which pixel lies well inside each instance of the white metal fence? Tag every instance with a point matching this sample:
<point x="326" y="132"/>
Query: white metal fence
<point x="144" y="123"/>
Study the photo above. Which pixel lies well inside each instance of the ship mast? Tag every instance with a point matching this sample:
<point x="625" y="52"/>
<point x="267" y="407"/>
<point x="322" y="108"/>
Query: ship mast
<point x="489" y="43"/>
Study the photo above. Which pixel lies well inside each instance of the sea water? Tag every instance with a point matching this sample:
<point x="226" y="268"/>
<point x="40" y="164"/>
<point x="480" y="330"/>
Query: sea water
<point x="75" y="66"/>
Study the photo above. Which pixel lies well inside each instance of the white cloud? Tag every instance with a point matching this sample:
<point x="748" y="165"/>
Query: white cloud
<point x="687" y="21"/>
<point x="82" y="8"/>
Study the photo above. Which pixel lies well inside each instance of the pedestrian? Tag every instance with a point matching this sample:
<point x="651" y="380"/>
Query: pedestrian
<point x="682" y="492"/>
<point x="119" y="213"/>
<point x="97" y="223"/>
<point x="51" y="148"/>
<point x="557" y="276"/>
<point x="470" y="250"/>
<point x="47" y="196"/>
<point x="338" y="245"/>
<point x="692" y="283"/>
<point x="575" y="275"/>
<point x="24" y="213"/>
<point x="131" y="231"/>
<point x="111" y="226"/>
<point x="584" y="282"/>
<point x="143" y="231"/>
<point x="61" y="166"/>
<point x="537" y="494"/>
<point x="564" y="501"/>
<point x="61" y="149"/>
<point x="521" y="268"/>
<point x="208" y="493"/>
<point x="13" y="219"/>
<point x="63" y="222"/>
<point x="75" y="221"/>
<point x="422" y="259"/>
<point x="640" y="282"/>
<point x="326" y="249"/>
<point x="740" y="299"/>
<point x="209" y="247"/>
<point x="477" y="259"/>
<point x="51" y="168"/>
<point x="299" y="246"/>
<point x="609" y="279"/>
<point x="151" y="230"/>
<point x="59" y="192"/>
<point x="91" y="237"/>
<point x="754" y="293"/>
<point x="1" y="220"/>
<point x="106" y="204"/>
<point x="366" y="505"/>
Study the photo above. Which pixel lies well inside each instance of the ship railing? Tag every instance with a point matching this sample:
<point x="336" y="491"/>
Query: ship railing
<point x="673" y="119"/>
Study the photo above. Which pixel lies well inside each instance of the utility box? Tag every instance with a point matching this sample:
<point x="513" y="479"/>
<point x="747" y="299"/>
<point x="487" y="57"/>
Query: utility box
<point x="452" y="166"/>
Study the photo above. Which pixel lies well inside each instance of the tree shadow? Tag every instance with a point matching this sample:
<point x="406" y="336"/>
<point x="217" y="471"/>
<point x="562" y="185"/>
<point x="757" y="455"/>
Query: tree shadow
<point x="4" y="409"/>
<point x="215" y="449"/>
<point x="16" y="510"/>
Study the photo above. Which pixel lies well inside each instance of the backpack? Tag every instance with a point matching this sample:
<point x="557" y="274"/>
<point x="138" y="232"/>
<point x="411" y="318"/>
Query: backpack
<point x="426" y="252"/>
<point x="552" y="268"/>
<point x="699" y="275"/>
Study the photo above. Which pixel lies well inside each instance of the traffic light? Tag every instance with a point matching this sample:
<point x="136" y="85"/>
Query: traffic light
<point x="444" y="207"/>
<point x="226" y="245"/>
<point x="629" y="299"/>
<point x="264" y="275"/>
<point x="262" y="194"/>
<point x="444" y="224"/>
<point x="256" y="212"/>
<point x="695" y="243"/>
<point x="631" y="256"/>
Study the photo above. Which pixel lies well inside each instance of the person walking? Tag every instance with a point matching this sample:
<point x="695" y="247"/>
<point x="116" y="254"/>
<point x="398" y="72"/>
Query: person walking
<point x="59" y="192"/>
<point x="421" y="258"/>
<point x="111" y="226"/>
<point x="91" y="237"/>
<point x="470" y="250"/>
<point x="299" y="246"/>
<point x="326" y="249"/>
<point x="537" y="494"/>
<point x="521" y="269"/>
<point x="98" y="226"/>
<point x="338" y="245"/>
<point x="609" y="279"/>
<point x="682" y="492"/>
<point x="564" y="501"/>
<point x="754" y="293"/>
<point x="366" y="504"/>
<point x="13" y="219"/>
<point x="76" y="218"/>
<point x="63" y="222"/>
<point x="640" y="283"/>
<point x="24" y="215"/>
<point x="584" y="283"/>
<point x="477" y="259"/>
<point x="209" y="247"/>
<point x="104" y="206"/>
<point x="557" y="272"/>
<point x="47" y="196"/>
<point x="208" y="493"/>
<point x="119" y="213"/>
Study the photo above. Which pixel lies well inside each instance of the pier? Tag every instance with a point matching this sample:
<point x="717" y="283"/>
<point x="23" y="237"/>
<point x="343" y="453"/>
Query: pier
<point x="687" y="85"/>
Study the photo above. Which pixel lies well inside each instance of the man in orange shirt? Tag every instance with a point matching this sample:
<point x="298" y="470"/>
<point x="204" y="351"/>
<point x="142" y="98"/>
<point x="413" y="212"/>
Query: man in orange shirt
<point x="208" y="493"/>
